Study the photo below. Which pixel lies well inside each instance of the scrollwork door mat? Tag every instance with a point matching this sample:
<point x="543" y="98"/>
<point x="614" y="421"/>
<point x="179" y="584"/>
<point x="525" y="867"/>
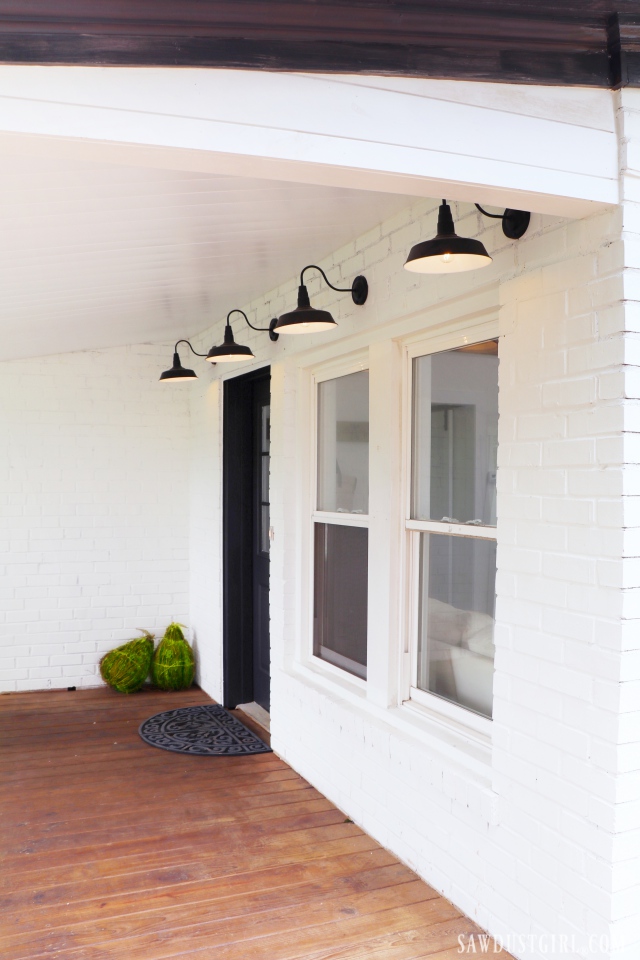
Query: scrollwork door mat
<point x="206" y="731"/>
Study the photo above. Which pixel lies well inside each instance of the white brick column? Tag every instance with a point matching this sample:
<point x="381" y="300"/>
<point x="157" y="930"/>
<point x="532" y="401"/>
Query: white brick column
<point x="560" y="599"/>
<point x="625" y="873"/>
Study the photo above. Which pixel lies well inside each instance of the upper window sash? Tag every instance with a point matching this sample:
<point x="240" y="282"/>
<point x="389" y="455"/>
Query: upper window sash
<point x="423" y="346"/>
<point x="454" y="435"/>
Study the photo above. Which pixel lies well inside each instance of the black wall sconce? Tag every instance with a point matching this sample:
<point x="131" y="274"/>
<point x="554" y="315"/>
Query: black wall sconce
<point x="229" y="350"/>
<point x="449" y="253"/>
<point x="226" y="352"/>
<point x="304" y="319"/>
<point x="178" y="373"/>
<point x="307" y="319"/>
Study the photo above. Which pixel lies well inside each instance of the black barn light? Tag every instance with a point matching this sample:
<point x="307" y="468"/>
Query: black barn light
<point x="178" y="373"/>
<point x="449" y="253"/>
<point x="307" y="319"/>
<point x="229" y="350"/>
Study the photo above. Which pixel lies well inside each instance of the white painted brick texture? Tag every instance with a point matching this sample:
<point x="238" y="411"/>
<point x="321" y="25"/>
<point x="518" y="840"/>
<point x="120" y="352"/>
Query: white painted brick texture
<point x="94" y="494"/>
<point x="625" y="873"/>
<point x="526" y="843"/>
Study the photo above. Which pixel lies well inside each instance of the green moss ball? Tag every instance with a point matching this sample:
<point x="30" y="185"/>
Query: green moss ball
<point x="126" y="668"/>
<point x="173" y="666"/>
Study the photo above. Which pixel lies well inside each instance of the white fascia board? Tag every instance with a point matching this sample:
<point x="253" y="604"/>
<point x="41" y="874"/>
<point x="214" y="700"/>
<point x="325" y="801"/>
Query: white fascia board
<point x="491" y="147"/>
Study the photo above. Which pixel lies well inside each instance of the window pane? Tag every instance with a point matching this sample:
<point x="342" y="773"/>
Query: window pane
<point x="343" y="444"/>
<point x="340" y="596"/>
<point x="265" y="431"/>
<point x="455" y="435"/>
<point x="265" y="543"/>
<point x="457" y="602"/>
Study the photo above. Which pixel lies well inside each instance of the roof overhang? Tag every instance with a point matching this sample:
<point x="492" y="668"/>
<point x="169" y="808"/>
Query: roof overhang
<point x="549" y="150"/>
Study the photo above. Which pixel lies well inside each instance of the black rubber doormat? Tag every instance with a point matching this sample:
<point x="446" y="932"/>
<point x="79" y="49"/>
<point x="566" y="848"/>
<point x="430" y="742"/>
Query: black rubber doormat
<point x="206" y="731"/>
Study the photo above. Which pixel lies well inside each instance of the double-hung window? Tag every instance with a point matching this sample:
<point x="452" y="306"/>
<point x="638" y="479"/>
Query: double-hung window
<point x="340" y="522"/>
<point x="452" y="525"/>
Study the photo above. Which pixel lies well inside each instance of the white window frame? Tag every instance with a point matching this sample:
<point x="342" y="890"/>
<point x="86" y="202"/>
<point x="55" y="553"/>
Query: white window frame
<point x="430" y="705"/>
<point x="329" y="370"/>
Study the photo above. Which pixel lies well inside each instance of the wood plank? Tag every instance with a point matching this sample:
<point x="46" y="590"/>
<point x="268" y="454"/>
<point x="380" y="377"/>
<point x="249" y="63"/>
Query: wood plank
<point x="264" y="806"/>
<point x="226" y="858"/>
<point x="120" y="855"/>
<point x="138" y="936"/>
<point x="178" y="916"/>
<point x="169" y="890"/>
<point x="225" y="829"/>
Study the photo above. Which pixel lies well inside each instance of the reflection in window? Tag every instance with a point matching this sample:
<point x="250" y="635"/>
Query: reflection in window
<point x="457" y="603"/>
<point x="343" y="444"/>
<point x="455" y="435"/>
<point x="340" y="596"/>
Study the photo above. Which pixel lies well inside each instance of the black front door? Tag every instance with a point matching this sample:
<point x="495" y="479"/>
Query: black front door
<point x="261" y="543"/>
<point x="246" y="540"/>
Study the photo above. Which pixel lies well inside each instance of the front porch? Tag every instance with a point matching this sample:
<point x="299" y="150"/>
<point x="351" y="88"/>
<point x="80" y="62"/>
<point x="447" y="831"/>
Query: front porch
<point x="113" y="849"/>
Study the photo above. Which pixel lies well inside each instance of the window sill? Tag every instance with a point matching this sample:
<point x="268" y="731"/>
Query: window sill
<point x="333" y="677"/>
<point x="466" y="722"/>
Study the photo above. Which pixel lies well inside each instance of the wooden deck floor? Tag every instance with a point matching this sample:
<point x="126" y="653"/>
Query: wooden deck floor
<point x="114" y="850"/>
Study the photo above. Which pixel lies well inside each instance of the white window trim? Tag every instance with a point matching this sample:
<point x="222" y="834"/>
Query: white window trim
<point x="341" y="519"/>
<point x="328" y="370"/>
<point x="428" y="705"/>
<point x="480" y="532"/>
<point x="461" y="716"/>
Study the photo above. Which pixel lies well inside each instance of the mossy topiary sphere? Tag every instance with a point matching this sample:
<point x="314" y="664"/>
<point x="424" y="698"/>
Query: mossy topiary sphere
<point x="126" y="668"/>
<point x="173" y="666"/>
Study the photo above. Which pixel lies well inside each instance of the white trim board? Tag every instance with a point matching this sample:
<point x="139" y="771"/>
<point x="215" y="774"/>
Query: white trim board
<point x="557" y="155"/>
<point x="257" y="713"/>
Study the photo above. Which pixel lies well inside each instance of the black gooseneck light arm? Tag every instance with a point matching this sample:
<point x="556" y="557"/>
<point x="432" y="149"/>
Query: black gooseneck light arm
<point x="514" y="222"/>
<point x="359" y="289"/>
<point x="175" y="349"/>
<point x="495" y="216"/>
<point x="272" y="334"/>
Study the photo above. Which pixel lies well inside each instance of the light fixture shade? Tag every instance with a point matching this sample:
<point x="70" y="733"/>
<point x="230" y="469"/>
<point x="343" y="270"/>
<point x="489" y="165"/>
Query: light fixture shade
<point x="177" y="372"/>
<point x="229" y="350"/>
<point x="304" y="319"/>
<point x="447" y="252"/>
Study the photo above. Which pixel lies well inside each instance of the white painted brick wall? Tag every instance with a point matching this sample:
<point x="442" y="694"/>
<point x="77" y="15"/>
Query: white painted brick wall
<point x="625" y="873"/>
<point x="528" y="843"/>
<point x="94" y="496"/>
<point x="562" y="463"/>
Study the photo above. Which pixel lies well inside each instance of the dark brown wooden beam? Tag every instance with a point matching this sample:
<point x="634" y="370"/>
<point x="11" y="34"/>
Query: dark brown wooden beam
<point x="595" y="43"/>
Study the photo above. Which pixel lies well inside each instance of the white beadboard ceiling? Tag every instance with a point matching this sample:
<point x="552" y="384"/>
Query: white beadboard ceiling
<point x="96" y="255"/>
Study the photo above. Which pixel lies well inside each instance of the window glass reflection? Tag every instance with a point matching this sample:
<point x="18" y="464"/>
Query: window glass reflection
<point x="457" y="604"/>
<point x="340" y="596"/>
<point x="343" y="444"/>
<point x="455" y="435"/>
